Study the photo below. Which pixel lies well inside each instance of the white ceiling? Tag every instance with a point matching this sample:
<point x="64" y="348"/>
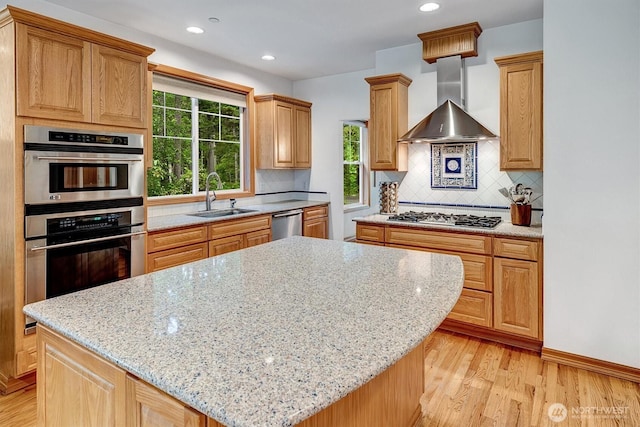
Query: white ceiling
<point x="310" y="38"/>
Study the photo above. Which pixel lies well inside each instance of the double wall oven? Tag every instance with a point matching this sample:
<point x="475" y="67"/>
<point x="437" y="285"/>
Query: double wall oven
<point x="84" y="214"/>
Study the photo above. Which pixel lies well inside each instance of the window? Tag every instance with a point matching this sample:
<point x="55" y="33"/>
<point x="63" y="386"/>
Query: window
<point x="197" y="129"/>
<point x="355" y="175"/>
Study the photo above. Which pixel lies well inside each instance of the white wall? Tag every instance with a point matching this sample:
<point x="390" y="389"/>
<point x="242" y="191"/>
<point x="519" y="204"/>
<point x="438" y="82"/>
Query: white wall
<point x="335" y="98"/>
<point x="592" y="179"/>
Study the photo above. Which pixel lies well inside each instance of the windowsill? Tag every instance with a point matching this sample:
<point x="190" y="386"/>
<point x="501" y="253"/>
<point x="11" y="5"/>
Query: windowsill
<point x="355" y="208"/>
<point x="190" y="198"/>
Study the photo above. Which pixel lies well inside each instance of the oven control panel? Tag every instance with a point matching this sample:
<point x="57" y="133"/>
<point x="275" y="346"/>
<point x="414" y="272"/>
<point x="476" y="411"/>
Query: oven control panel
<point x="88" y="222"/>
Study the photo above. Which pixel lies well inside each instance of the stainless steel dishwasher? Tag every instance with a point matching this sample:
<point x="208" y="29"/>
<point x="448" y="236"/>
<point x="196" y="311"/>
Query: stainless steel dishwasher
<point x="286" y="223"/>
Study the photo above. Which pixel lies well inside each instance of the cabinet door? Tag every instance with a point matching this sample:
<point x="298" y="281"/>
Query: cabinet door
<point x="303" y="137"/>
<point x="317" y="227"/>
<point x="521" y="115"/>
<point x="259" y="237"/>
<point x="148" y="406"/>
<point x="226" y="244"/>
<point x="382" y="145"/>
<point x="473" y="307"/>
<point x="119" y="90"/>
<point x="516" y="297"/>
<point x="76" y="387"/>
<point x="53" y="75"/>
<point x="284" y="129"/>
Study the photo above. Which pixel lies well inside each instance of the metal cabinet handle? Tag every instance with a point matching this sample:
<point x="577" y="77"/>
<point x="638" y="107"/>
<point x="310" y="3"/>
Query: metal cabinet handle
<point x="82" y="242"/>
<point x="84" y="159"/>
<point x="288" y="213"/>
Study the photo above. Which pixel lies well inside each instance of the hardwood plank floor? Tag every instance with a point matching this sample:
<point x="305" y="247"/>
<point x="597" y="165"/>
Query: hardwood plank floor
<point x="470" y="382"/>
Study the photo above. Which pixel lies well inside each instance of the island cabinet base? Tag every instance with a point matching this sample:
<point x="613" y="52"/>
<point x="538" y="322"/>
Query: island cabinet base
<point x="390" y="399"/>
<point x="77" y="387"/>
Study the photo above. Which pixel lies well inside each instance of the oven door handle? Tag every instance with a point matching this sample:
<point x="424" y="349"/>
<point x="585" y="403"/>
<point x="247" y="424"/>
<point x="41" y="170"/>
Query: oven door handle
<point x="82" y="242"/>
<point x="90" y="159"/>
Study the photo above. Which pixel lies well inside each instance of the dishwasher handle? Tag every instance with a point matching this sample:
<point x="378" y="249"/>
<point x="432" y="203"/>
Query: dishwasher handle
<point x="287" y="213"/>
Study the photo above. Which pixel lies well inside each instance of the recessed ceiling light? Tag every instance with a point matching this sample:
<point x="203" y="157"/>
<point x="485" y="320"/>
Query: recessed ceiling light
<point x="268" y="57"/>
<point x="429" y="7"/>
<point x="195" y="30"/>
<point x="214" y="20"/>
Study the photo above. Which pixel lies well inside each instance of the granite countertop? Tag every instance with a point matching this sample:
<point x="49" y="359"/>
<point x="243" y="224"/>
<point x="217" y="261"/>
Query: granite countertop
<point x="269" y="335"/>
<point x="502" y="229"/>
<point x="183" y="220"/>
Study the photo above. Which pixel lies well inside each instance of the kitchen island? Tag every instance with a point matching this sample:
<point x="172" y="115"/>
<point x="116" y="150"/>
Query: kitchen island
<point x="266" y="336"/>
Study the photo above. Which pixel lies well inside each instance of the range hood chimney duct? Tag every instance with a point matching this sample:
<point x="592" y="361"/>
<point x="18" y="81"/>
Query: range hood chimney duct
<point x="449" y="122"/>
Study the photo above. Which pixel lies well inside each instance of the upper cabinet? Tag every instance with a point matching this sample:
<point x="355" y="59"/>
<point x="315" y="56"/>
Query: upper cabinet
<point x="70" y="73"/>
<point x="521" y="111"/>
<point x="283" y="132"/>
<point x="388" y="121"/>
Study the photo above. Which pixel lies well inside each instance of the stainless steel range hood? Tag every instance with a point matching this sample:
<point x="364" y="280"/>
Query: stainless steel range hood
<point x="449" y="122"/>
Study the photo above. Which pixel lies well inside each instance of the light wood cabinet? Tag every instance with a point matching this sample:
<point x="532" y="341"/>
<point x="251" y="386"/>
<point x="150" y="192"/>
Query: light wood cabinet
<point x="283" y="132"/>
<point x="369" y="234"/>
<point x="502" y="291"/>
<point x="176" y="256"/>
<point x="169" y="248"/>
<point x="119" y="87"/>
<point x="76" y="387"/>
<point x="54" y="75"/>
<point x="79" y="388"/>
<point x="518" y="286"/>
<point x="521" y="111"/>
<point x="67" y="77"/>
<point x="388" y="121"/>
<point x="315" y="222"/>
<point x="149" y="407"/>
<point x="48" y="77"/>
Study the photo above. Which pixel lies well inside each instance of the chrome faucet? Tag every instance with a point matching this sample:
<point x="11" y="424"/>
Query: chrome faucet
<point x="208" y="199"/>
<point x="232" y="203"/>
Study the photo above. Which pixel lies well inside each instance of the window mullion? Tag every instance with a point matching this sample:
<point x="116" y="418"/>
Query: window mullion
<point x="195" y="147"/>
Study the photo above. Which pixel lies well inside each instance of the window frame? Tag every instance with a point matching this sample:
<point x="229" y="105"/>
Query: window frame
<point x="248" y="147"/>
<point x="364" y="202"/>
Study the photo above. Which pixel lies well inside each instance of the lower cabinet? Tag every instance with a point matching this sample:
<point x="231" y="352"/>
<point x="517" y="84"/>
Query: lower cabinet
<point x="168" y="248"/>
<point x="149" y="407"/>
<point x="89" y="391"/>
<point x="502" y="291"/>
<point x="315" y="222"/>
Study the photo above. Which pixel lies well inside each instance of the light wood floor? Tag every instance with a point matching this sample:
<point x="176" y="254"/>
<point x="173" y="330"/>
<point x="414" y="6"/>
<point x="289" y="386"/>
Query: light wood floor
<point x="470" y="382"/>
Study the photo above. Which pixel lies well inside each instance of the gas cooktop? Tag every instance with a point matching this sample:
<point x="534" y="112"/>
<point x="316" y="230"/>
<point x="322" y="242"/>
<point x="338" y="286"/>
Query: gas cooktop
<point x="447" y="219"/>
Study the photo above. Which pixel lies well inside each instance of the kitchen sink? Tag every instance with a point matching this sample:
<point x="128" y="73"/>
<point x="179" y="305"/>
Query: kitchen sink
<point x="215" y="213"/>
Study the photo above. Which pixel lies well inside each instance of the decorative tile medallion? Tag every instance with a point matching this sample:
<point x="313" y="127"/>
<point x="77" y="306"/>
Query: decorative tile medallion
<point x="454" y="165"/>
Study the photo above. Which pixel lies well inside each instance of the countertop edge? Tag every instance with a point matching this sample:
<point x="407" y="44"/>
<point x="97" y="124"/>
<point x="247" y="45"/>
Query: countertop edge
<point x="167" y="222"/>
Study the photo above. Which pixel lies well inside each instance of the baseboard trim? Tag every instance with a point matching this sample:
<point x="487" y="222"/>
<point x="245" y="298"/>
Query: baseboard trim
<point x="491" y="335"/>
<point x="10" y="385"/>
<point x="595" y="365"/>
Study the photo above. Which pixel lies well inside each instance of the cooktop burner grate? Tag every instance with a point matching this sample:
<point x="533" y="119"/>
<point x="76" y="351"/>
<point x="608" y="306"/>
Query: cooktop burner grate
<point x="447" y="219"/>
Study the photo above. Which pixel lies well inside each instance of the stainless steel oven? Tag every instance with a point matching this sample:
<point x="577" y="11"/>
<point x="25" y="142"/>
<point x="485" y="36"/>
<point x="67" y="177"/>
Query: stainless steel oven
<point x="70" y="251"/>
<point x="67" y="165"/>
<point x="84" y="213"/>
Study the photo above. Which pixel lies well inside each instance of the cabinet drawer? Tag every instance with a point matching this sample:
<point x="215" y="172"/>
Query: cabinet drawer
<point x="172" y="257"/>
<point x="178" y="237"/>
<point x="238" y="226"/>
<point x="469" y="243"/>
<point x="315" y="212"/>
<point x="515" y="248"/>
<point x="370" y="233"/>
<point x="473" y="307"/>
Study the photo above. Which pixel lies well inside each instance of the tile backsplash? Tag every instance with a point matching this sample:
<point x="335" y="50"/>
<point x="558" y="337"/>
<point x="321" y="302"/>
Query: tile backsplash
<point x="415" y="185"/>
